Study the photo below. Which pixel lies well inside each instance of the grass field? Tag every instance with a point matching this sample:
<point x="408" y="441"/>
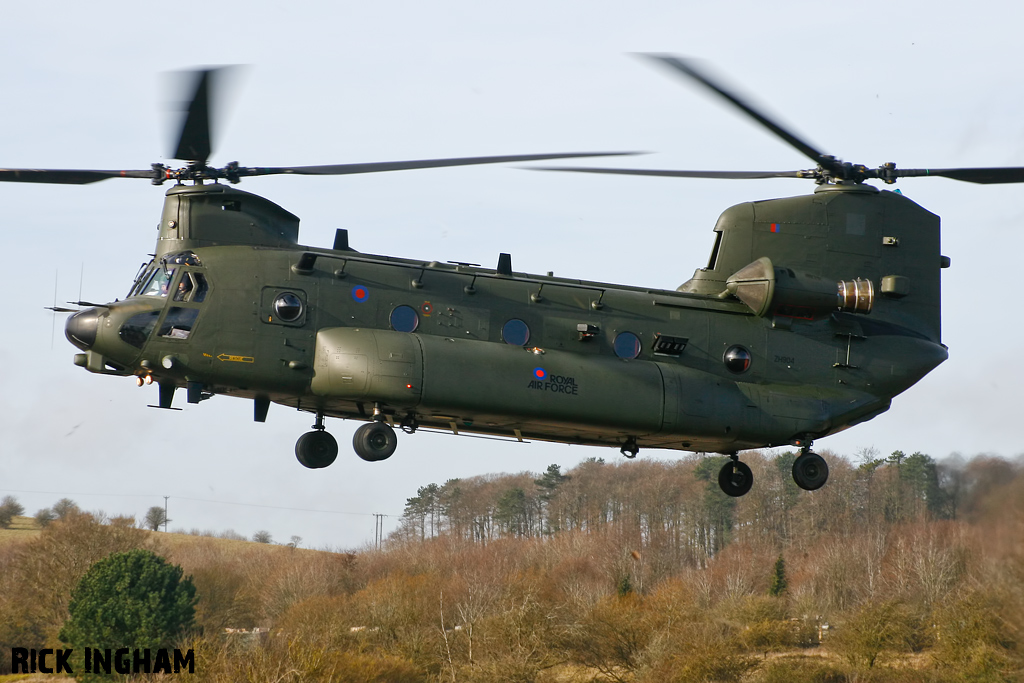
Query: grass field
<point x="25" y="528"/>
<point x="21" y="529"/>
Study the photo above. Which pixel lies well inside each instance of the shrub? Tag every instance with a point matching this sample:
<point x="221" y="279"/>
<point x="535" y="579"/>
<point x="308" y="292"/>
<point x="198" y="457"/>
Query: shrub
<point x="131" y="599"/>
<point x="878" y="627"/>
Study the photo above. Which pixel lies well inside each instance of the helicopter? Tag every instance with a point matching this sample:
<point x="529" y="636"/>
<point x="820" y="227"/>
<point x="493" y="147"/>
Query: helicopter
<point x="811" y="314"/>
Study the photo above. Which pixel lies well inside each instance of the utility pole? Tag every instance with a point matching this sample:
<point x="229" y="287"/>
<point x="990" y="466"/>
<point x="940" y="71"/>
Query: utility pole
<point x="165" y="514"/>
<point x="378" y="530"/>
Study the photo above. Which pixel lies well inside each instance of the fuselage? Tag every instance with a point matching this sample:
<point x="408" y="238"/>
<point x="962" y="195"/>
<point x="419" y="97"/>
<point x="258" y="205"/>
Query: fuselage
<point x="239" y="308"/>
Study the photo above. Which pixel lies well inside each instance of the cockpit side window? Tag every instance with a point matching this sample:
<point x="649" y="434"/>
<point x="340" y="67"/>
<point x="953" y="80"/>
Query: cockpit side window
<point x="178" y="322"/>
<point x="192" y="287"/>
<point x="136" y="330"/>
<point x="185" y="287"/>
<point x="199" y="293"/>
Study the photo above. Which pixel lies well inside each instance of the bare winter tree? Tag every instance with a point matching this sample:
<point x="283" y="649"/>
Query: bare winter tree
<point x="154" y="518"/>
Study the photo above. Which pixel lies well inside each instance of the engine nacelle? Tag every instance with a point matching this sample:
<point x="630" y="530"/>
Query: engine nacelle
<point x="767" y="289"/>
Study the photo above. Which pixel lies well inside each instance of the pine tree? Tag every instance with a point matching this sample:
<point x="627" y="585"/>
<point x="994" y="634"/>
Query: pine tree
<point x="778" y="585"/>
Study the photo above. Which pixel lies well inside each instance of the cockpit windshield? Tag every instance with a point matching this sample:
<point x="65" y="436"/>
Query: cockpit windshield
<point x="157" y="284"/>
<point x="154" y="279"/>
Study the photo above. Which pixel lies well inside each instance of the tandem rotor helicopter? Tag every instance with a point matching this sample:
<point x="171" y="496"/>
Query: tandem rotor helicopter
<point x="811" y="314"/>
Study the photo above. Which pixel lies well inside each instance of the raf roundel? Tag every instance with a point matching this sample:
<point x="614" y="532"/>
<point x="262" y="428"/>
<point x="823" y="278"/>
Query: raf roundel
<point x="540" y="373"/>
<point x="360" y="293"/>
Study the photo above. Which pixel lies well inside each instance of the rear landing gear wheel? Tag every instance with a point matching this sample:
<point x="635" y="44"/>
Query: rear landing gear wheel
<point x="810" y="471"/>
<point x="735" y="478"/>
<point x="316" y="449"/>
<point x="375" y="441"/>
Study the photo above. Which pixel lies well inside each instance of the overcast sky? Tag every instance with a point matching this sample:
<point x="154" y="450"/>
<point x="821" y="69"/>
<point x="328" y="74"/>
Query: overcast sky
<point x="920" y="83"/>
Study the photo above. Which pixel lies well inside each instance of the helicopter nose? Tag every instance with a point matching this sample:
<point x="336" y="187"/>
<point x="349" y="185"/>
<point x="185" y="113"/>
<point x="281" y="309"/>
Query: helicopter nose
<point x="81" y="327"/>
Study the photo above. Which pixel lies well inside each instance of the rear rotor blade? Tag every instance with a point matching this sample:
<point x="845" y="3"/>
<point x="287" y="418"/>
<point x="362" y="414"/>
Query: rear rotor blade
<point x="66" y="176"/>
<point x="687" y="67"/>
<point x="742" y="175"/>
<point x="376" y="167"/>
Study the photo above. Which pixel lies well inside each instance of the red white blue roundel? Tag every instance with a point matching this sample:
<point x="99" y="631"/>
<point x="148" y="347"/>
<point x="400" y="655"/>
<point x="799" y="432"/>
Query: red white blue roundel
<point x="540" y="373"/>
<point x="360" y="293"/>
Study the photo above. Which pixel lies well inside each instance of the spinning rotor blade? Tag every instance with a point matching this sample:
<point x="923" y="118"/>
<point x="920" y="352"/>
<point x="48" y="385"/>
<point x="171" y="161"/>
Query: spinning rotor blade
<point x="687" y="67"/>
<point x="987" y="176"/>
<point x="194" y="141"/>
<point x="743" y="175"/>
<point x="65" y="177"/>
<point x="829" y="169"/>
<point x="233" y="172"/>
<point x="195" y="146"/>
<point x="376" y="167"/>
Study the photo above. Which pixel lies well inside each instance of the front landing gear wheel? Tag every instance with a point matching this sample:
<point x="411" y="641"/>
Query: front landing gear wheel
<point x="810" y="471"/>
<point x="316" y="449"/>
<point x="735" y="478"/>
<point x="375" y="441"/>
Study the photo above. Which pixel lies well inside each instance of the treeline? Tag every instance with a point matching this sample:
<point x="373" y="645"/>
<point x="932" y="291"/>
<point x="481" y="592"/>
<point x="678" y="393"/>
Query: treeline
<point x="675" y="511"/>
<point x="900" y="569"/>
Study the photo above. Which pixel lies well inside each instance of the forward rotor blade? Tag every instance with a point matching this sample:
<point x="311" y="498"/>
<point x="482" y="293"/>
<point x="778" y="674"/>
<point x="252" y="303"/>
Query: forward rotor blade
<point x="987" y="176"/>
<point x="742" y="175"/>
<point x="66" y="176"/>
<point x="376" y="167"/>
<point x="194" y="141"/>
<point x="687" y="67"/>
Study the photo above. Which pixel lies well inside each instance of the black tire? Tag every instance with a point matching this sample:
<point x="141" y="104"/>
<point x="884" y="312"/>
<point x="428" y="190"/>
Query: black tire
<point x="810" y="471"/>
<point x="375" y="441"/>
<point x="316" y="450"/>
<point x="735" y="478"/>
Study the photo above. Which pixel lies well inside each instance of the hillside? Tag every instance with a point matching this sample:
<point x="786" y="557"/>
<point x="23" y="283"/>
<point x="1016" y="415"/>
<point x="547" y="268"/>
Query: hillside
<point x="21" y="529"/>
<point x="24" y="529"/>
<point x="900" y="569"/>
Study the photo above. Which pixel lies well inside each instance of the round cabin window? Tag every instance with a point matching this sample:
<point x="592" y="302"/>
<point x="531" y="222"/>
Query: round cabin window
<point x="404" y="319"/>
<point x="627" y="345"/>
<point x="288" y="307"/>
<point x="737" y="359"/>
<point x="515" y="332"/>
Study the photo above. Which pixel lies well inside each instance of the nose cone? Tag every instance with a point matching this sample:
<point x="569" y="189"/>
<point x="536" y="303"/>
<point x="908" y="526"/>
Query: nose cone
<point x="80" y="328"/>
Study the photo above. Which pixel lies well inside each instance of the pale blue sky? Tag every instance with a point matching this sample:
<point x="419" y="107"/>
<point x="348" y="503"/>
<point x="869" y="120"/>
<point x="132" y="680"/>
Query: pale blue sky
<point x="919" y="83"/>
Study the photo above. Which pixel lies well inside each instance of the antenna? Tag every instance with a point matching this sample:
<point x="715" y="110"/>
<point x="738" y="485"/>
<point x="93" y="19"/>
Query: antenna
<point x="53" y="316"/>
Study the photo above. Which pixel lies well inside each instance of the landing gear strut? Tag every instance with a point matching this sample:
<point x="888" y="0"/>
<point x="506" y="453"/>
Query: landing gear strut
<point x="735" y="477"/>
<point x="810" y="471"/>
<point x="629" y="448"/>
<point x="316" y="449"/>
